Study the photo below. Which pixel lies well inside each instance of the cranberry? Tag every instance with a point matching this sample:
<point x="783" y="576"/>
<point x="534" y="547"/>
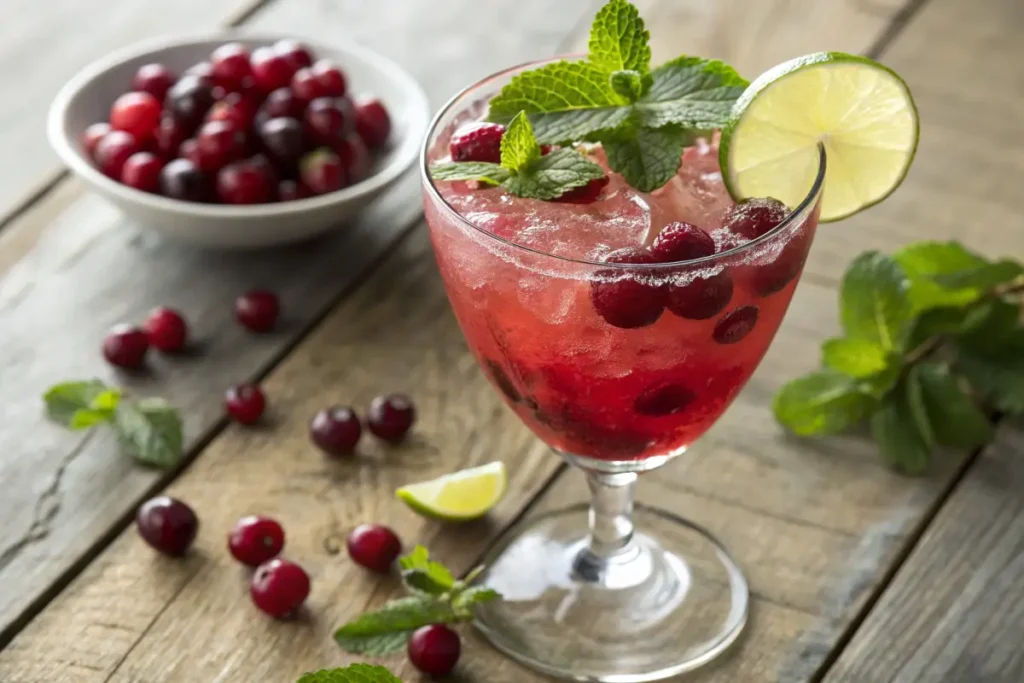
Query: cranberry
<point x="235" y="109"/>
<point x="306" y="87"/>
<point x="142" y="171"/>
<point x="182" y="179"/>
<point x="374" y="547"/>
<point x="270" y="70"/>
<point x="663" y="399"/>
<point x="355" y="158"/>
<point x="325" y="122"/>
<point x="168" y="136"/>
<point x="478" y="141"/>
<point x="372" y="122"/>
<point x="167" y="524"/>
<point x="137" y="113"/>
<point x="125" y="346"/>
<point x="219" y="143"/>
<point x="336" y="430"/>
<point x="257" y="310"/>
<point x="391" y="417"/>
<point x="166" y="329"/>
<point x="290" y="190"/>
<point x="230" y="65"/>
<point x="254" y="540"/>
<point x="189" y="99"/>
<point x="245" y="403"/>
<point x="93" y="134"/>
<point x="279" y="588"/>
<point x="735" y="325"/>
<point x="701" y="299"/>
<point x="754" y="217"/>
<point x="283" y="139"/>
<point x="322" y="171"/>
<point x="156" y="79"/>
<point x="190" y="150"/>
<point x="245" y="182"/>
<point x="434" y="649"/>
<point x="294" y="52"/>
<point x="202" y="70"/>
<point x="332" y="81"/>
<point x="113" y="150"/>
<point x="682" y="242"/>
<point x="282" y="102"/>
<point x="586" y="194"/>
<point x="621" y="297"/>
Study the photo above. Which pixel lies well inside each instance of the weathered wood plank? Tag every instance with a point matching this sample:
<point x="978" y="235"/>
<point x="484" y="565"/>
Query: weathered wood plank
<point x="83" y="268"/>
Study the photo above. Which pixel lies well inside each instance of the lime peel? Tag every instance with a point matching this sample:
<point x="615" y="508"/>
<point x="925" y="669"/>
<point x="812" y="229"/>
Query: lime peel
<point x="459" y="496"/>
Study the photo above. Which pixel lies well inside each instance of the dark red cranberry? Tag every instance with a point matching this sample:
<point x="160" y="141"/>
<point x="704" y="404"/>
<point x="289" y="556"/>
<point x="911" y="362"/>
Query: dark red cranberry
<point x="189" y="99"/>
<point x="166" y="329"/>
<point x="93" y="134"/>
<point x="190" y="150"/>
<point x="434" y="649"/>
<point x="306" y="86"/>
<point x="202" y="70"/>
<point x="478" y="141"/>
<point x="125" y="346"/>
<point x="167" y="524"/>
<point x="142" y="171"/>
<point x="156" y="79"/>
<point x="294" y="52"/>
<point x="235" y="109"/>
<point x="230" y="65"/>
<point x="735" y="325"/>
<point x="254" y="540"/>
<point x="182" y="179"/>
<point x="220" y="143"/>
<point x="374" y="547"/>
<point x="290" y="190"/>
<point x="701" y="299"/>
<point x="355" y="158"/>
<point x="279" y="588"/>
<point x="270" y="70"/>
<point x="257" y="310"/>
<point x="663" y="399"/>
<point x="245" y="403"/>
<point x="586" y="194"/>
<point x="325" y="121"/>
<point x="137" y="113"/>
<point x="113" y="150"/>
<point x="282" y="102"/>
<point x="244" y="182"/>
<point x="682" y="242"/>
<point x="168" y="136"/>
<point x="622" y="297"/>
<point x="322" y="172"/>
<point x="390" y="417"/>
<point x="283" y="139"/>
<point x="754" y="217"/>
<point x="331" y="79"/>
<point x="773" y="277"/>
<point x="336" y="430"/>
<point x="373" y="124"/>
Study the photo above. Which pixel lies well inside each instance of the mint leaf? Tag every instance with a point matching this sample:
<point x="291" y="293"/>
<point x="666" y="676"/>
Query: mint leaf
<point x="854" y="357"/>
<point x="355" y="673"/>
<point x="956" y="420"/>
<point x="983" y="277"/>
<point x="647" y="158"/>
<point x="692" y="92"/>
<point x="873" y="301"/>
<point x="916" y="405"/>
<point x="998" y="374"/>
<point x="518" y="146"/>
<point x="896" y="432"/>
<point x="618" y="39"/>
<point x="628" y="84"/>
<point x="386" y="631"/>
<point x="465" y="600"/>
<point x="423" y="574"/>
<point x="824" y="402"/>
<point x="930" y="259"/>
<point x="470" y="170"/>
<point x="991" y="326"/>
<point x="935" y="322"/>
<point x="80" y="404"/>
<point x="151" y="431"/>
<point x="554" y="174"/>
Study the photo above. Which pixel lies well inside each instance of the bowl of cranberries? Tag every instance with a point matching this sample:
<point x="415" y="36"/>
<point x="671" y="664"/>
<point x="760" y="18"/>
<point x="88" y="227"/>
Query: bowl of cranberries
<point x="239" y="141"/>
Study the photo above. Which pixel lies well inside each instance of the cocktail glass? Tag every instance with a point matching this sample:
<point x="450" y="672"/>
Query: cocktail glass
<point x="613" y="591"/>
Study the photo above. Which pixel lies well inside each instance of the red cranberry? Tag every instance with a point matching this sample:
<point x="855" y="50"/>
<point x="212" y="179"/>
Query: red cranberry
<point x="270" y="70"/>
<point x="355" y="158"/>
<point x="257" y="310"/>
<point x="391" y="417"/>
<point x="202" y="70"/>
<point x="325" y="122"/>
<point x="701" y="299"/>
<point x="372" y="122"/>
<point x="283" y="139"/>
<point x="189" y="99"/>
<point x="735" y="325"/>
<point x="322" y="171"/>
<point x="374" y="547"/>
<point x="283" y="102"/>
<point x="219" y="143"/>
<point x="434" y="649"/>
<point x="477" y="141"/>
<point x="279" y="588"/>
<point x="235" y="109"/>
<point x="142" y="171"/>
<point x="306" y="86"/>
<point x="113" y="150"/>
<point x="182" y="179"/>
<point x="137" y="113"/>
<point x="254" y="540"/>
<point x="663" y="399"/>
<point x="682" y="242"/>
<point x="189" y="149"/>
<point x="586" y="194"/>
<point x="336" y="430"/>
<point x="755" y="217"/>
<point x="125" y="346"/>
<point x="244" y="182"/>
<point x="245" y="403"/>
<point x="620" y="295"/>
<point x="332" y="80"/>
<point x="230" y="65"/>
<point x="168" y="136"/>
<point x="156" y="79"/>
<point x="167" y="524"/>
<point x="290" y="190"/>
<point x="294" y="52"/>
<point x="166" y="329"/>
<point x="93" y="134"/>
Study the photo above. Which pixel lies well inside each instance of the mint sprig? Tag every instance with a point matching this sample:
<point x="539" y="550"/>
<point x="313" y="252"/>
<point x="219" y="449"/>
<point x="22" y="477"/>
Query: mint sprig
<point x="523" y="171"/>
<point x="150" y="430"/>
<point x="934" y="341"/>
<point x="354" y="673"/>
<point x="437" y="598"/>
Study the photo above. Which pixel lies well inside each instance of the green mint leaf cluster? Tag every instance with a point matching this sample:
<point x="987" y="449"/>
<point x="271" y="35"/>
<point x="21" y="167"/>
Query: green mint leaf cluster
<point x="437" y="598"/>
<point x="150" y="430"/>
<point x="933" y="341"/>
<point x="523" y="171"/>
<point x="355" y="673"/>
<point x="641" y="116"/>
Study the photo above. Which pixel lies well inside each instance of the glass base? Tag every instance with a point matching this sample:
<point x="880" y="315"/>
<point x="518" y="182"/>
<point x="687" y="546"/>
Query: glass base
<point x="669" y="602"/>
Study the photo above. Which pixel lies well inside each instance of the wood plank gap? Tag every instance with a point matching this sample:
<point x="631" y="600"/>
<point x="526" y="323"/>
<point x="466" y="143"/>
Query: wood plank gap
<point x="898" y="24"/>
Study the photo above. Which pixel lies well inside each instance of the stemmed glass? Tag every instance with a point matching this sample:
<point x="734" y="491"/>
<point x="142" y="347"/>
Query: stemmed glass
<point x="613" y="591"/>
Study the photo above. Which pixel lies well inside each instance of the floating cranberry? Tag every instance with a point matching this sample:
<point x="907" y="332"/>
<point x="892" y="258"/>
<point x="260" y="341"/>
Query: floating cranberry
<point x="125" y="346"/>
<point x="372" y="122"/>
<point x="282" y="102"/>
<point x="752" y="218"/>
<point x="306" y="86"/>
<point x="682" y="242"/>
<point x="289" y="190"/>
<point x="355" y="158"/>
<point x="255" y="540"/>
<point x="113" y="150"/>
<point x="279" y="588"/>
<point x="434" y="649"/>
<point x="478" y="141"/>
<point x="294" y="52"/>
<point x="167" y="524"/>
<point x="325" y="121"/>
<point x="142" y="171"/>
<point x="586" y="194"/>
<point x="182" y="179"/>
<point x="189" y="99"/>
<point x="168" y="136"/>
<point x="773" y="277"/>
<point x="735" y="325"/>
<point x="374" y="547"/>
<point x="390" y="417"/>
<point x="270" y="70"/>
<point x="92" y="136"/>
<point x="166" y="329"/>
<point x="336" y="430"/>
<point x="332" y="80"/>
<point x="137" y="113"/>
<point x="283" y="138"/>
<point x="257" y="310"/>
<point x="663" y="399"/>
<point x="245" y="182"/>
<point x="156" y="79"/>
<point x="230" y="65"/>
<point x="701" y="299"/>
<point x="322" y="172"/>
<point x="622" y="297"/>
<point x="245" y="403"/>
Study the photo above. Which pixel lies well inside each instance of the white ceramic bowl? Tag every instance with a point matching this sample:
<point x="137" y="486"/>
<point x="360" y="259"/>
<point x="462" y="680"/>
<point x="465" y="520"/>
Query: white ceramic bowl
<point x="87" y="97"/>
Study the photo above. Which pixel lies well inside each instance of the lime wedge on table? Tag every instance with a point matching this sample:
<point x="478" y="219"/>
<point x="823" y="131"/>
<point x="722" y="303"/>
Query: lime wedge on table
<point x="457" y="497"/>
<point x="860" y="110"/>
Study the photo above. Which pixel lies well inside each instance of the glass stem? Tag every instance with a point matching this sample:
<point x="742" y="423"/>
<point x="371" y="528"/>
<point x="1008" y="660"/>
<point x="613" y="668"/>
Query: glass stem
<point x="611" y="525"/>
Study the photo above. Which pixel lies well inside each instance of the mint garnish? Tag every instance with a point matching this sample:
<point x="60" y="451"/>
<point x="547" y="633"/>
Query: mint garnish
<point x="149" y="429"/>
<point x="354" y="673"/>
<point x="523" y="170"/>
<point x="438" y="598"/>
<point x="933" y="340"/>
<point x="642" y="116"/>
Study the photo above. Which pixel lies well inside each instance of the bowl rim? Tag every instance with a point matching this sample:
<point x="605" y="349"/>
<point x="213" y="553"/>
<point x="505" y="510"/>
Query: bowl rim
<point x="402" y="158"/>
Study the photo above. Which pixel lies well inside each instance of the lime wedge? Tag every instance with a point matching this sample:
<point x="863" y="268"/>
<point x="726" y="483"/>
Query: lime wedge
<point x="860" y="110"/>
<point x="457" y="497"/>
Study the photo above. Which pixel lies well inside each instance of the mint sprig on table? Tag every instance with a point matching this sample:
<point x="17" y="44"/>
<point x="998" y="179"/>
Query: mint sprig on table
<point x="523" y="171"/>
<point x="642" y="116"/>
<point x="933" y="341"/>
<point x="355" y="673"/>
<point x="149" y="429"/>
<point x="437" y="598"/>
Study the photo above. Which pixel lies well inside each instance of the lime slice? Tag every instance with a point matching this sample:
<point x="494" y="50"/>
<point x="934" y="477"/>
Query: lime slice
<point x="457" y="497"/>
<point x="860" y="110"/>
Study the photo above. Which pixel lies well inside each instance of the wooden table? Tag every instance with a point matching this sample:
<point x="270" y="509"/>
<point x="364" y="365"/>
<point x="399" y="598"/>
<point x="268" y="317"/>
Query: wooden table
<point x="858" y="574"/>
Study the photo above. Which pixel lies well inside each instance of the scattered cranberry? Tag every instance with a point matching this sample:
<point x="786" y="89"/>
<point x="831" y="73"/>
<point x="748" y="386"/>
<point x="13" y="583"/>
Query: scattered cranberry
<point x="235" y="109"/>
<point x="189" y="99"/>
<point x="755" y="217"/>
<point x="322" y="171"/>
<point x="168" y="136"/>
<point x="620" y="295"/>
<point x="336" y="430"/>
<point x="245" y="403"/>
<point x="182" y="179"/>
<point x="735" y="325"/>
<point x="478" y="141"/>
<point x="290" y="190"/>
<point x="137" y="113"/>
<point x="372" y="122"/>
<point x="167" y="524"/>
<point x="220" y="143"/>
<point x="245" y="182"/>
<point x="332" y="80"/>
<point x="305" y="85"/>
<point x="156" y="79"/>
<point x="93" y="134"/>
<point x="113" y="150"/>
<point x="663" y="399"/>
<point x="354" y="157"/>
<point x="586" y="194"/>
<point x="257" y="310"/>
<point x="142" y="171"/>
<point x="270" y="70"/>
<point x="230" y="65"/>
<point x="374" y="547"/>
<point x="255" y="540"/>
<point x="125" y="346"/>
<point x="294" y="52"/>
<point x="166" y="329"/>
<point x="325" y="122"/>
<point x="282" y="102"/>
<point x="279" y="588"/>
<point x="434" y="649"/>
<point x="682" y="242"/>
<point x="701" y="299"/>
<point x="391" y="417"/>
<point x="283" y="138"/>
